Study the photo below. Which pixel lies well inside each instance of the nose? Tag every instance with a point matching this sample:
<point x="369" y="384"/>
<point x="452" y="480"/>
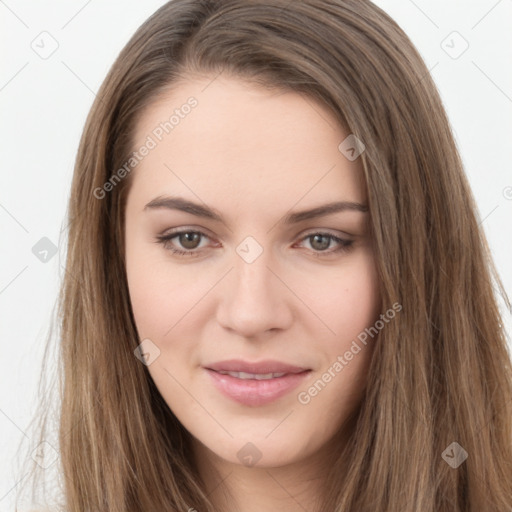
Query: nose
<point x="254" y="298"/>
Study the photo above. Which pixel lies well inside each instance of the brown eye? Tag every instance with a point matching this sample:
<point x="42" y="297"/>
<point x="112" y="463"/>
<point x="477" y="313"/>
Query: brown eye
<point x="189" y="239"/>
<point x="320" y="242"/>
<point x="187" y="243"/>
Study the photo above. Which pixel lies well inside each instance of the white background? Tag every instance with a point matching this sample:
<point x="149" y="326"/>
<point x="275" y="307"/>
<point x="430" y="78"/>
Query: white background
<point x="45" y="102"/>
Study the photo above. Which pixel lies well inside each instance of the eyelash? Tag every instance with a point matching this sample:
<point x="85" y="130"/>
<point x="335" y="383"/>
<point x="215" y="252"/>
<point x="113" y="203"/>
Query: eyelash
<point x="345" y="245"/>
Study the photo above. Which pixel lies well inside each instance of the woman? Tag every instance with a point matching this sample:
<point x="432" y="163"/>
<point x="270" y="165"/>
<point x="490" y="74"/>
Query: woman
<point x="228" y="346"/>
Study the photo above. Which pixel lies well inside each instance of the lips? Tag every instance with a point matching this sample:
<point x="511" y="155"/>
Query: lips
<point x="255" y="384"/>
<point x="261" y="368"/>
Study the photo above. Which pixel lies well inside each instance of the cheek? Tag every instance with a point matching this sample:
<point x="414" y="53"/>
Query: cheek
<point x="348" y="301"/>
<point x="349" y="354"/>
<point x="360" y="299"/>
<point x="150" y="305"/>
<point x="160" y="294"/>
<point x="349" y="307"/>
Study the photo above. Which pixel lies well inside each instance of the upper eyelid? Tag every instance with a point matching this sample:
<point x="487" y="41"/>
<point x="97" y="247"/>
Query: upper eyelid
<point x="312" y="231"/>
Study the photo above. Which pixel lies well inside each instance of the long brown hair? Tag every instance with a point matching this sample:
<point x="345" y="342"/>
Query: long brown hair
<point x="440" y="373"/>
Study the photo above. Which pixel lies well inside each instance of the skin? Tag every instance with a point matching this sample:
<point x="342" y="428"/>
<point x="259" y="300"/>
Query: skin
<point x="254" y="155"/>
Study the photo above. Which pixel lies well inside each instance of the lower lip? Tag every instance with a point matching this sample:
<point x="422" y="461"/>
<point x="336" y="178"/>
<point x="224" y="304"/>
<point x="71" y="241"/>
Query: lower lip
<point x="254" y="392"/>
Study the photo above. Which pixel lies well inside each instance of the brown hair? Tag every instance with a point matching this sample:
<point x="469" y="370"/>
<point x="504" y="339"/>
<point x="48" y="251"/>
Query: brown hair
<point x="440" y="373"/>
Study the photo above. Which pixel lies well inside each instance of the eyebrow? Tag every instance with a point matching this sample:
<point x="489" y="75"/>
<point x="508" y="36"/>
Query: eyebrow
<point x="184" y="205"/>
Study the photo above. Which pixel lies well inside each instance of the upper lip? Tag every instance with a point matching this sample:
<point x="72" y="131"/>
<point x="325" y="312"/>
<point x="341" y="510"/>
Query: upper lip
<point x="261" y="367"/>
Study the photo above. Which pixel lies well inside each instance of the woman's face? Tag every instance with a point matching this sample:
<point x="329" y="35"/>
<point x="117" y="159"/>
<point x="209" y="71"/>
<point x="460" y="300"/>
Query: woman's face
<point x="262" y="289"/>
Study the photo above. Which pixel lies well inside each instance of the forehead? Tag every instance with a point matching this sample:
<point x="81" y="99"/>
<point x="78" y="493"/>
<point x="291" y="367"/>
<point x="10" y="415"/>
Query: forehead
<point x="241" y="143"/>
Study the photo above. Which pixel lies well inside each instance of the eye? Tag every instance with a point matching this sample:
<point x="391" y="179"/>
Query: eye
<point x="187" y="238"/>
<point x="190" y="241"/>
<point x="320" y="242"/>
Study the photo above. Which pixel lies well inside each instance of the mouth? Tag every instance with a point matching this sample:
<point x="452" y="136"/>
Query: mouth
<point x="255" y="384"/>
<point x="254" y="376"/>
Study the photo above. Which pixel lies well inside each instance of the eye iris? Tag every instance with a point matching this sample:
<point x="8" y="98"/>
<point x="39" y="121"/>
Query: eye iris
<point x="189" y="240"/>
<point x="324" y="245"/>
